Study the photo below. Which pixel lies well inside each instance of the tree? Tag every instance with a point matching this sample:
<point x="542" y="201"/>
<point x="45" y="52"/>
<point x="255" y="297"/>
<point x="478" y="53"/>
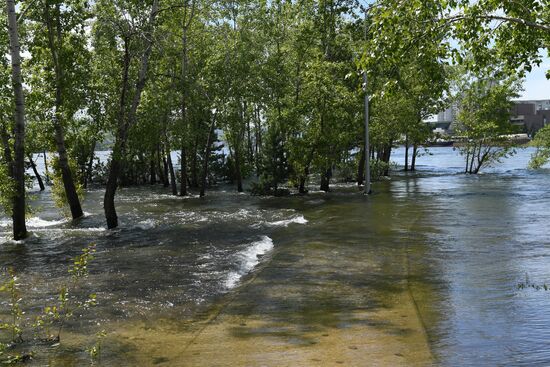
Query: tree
<point x="485" y="103"/>
<point x="119" y="13"/>
<point x="542" y="143"/>
<point x="17" y="169"/>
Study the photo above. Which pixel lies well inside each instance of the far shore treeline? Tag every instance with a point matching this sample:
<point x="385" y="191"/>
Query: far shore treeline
<point x="240" y="88"/>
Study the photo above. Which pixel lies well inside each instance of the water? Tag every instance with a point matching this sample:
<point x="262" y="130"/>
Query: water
<point x="445" y="249"/>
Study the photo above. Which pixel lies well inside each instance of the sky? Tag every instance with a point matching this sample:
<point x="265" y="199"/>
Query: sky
<point x="536" y="85"/>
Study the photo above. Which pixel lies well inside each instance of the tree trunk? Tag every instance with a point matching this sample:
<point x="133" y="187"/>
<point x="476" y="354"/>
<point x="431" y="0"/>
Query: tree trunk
<point x="302" y="188"/>
<point x="152" y="169"/>
<point x="183" y="173"/>
<point x="89" y="170"/>
<point x="172" y="174"/>
<point x="325" y="180"/>
<point x="18" y="165"/>
<point x="165" y="167"/>
<point x="36" y="174"/>
<point x="123" y="123"/>
<point x="472" y="160"/>
<point x="238" y="173"/>
<point x="194" y="173"/>
<point x="207" y="156"/>
<point x="46" y="171"/>
<point x="66" y="174"/>
<point x="361" y="169"/>
<point x="159" y="164"/>
<point x="413" y="161"/>
<point x="406" y="153"/>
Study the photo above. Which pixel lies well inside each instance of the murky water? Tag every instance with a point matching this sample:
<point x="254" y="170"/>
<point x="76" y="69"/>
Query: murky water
<point x="456" y="245"/>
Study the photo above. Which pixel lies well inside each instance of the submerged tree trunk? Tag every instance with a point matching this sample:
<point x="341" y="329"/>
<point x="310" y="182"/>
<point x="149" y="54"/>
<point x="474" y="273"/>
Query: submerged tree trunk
<point x="46" y="171"/>
<point x="159" y="164"/>
<point x="303" y="179"/>
<point x="36" y="174"/>
<point x="17" y="170"/>
<point x="152" y="169"/>
<point x="325" y="180"/>
<point x="207" y="156"/>
<point x="89" y="170"/>
<point x="406" y="153"/>
<point x="183" y="173"/>
<point x="413" y="161"/>
<point x="194" y="173"/>
<point x="124" y="123"/>
<point x="165" y="168"/>
<point x="173" y="184"/>
<point x="66" y="174"/>
<point x="361" y="169"/>
<point x="238" y="172"/>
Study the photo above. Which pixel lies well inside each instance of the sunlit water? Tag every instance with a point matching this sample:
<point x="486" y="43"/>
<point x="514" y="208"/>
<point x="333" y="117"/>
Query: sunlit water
<point x="463" y="244"/>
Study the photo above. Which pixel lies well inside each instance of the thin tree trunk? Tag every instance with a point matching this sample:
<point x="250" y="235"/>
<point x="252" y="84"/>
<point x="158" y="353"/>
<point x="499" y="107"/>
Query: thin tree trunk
<point x="413" y="160"/>
<point x="66" y="174"/>
<point x="183" y="172"/>
<point x="123" y="123"/>
<point x="89" y="170"/>
<point x="325" y="180"/>
<point x="238" y="173"/>
<point x="172" y="173"/>
<point x="152" y="169"/>
<point x="159" y="159"/>
<point x="361" y="169"/>
<point x="46" y="170"/>
<point x="165" y="167"/>
<point x="17" y="170"/>
<point x="194" y="173"/>
<point x="36" y="174"/>
<point x="207" y="156"/>
<point x="303" y="179"/>
<point x="406" y="153"/>
<point x="472" y="160"/>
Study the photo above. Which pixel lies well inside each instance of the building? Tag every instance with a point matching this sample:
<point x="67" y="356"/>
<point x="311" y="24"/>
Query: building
<point x="531" y="116"/>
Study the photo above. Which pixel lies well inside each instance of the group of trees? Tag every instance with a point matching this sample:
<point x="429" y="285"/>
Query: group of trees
<point x="241" y="88"/>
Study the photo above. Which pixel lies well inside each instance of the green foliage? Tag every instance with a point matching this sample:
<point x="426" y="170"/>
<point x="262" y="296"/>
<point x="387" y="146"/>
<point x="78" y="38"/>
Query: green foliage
<point x="14" y="325"/>
<point x="484" y="119"/>
<point x="542" y="143"/>
<point x="95" y="351"/>
<point x="58" y="190"/>
<point x="7" y="189"/>
<point x="52" y="316"/>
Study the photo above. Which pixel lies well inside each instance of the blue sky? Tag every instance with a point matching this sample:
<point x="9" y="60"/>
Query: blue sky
<point x="536" y="85"/>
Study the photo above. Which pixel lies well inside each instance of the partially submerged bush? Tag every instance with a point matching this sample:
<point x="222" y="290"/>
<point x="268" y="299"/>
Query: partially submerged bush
<point x="47" y="326"/>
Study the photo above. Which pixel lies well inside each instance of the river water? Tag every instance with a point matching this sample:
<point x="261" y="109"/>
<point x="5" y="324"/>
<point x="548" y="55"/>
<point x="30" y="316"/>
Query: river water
<point x="462" y="244"/>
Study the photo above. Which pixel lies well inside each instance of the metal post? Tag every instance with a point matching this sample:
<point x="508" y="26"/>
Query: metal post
<point x="367" y="145"/>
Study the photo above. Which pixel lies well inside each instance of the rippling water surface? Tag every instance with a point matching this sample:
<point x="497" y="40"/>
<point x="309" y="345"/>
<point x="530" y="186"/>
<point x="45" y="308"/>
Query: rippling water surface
<point x="461" y="243"/>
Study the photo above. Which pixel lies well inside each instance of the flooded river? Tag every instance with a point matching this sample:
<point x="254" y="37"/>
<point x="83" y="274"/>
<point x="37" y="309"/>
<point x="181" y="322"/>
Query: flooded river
<point x="445" y="249"/>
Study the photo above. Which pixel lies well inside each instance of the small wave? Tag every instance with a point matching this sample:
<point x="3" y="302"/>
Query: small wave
<point x="284" y="223"/>
<point x="248" y="259"/>
<point x="37" y="222"/>
<point x="146" y="224"/>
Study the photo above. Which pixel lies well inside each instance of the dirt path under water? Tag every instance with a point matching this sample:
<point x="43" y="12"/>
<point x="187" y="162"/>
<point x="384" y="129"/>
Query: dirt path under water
<point x="301" y="308"/>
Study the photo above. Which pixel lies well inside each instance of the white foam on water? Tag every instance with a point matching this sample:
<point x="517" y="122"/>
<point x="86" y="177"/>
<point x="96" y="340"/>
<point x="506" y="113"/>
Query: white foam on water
<point x="146" y="224"/>
<point x="248" y="259"/>
<point x="284" y="223"/>
<point x="37" y="222"/>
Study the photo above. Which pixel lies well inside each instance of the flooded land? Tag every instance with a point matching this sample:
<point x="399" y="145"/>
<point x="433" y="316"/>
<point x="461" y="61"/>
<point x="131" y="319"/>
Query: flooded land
<point x="434" y="268"/>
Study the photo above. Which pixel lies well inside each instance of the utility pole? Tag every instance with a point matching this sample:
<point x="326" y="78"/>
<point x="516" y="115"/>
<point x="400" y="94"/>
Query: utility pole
<point x="367" y="145"/>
